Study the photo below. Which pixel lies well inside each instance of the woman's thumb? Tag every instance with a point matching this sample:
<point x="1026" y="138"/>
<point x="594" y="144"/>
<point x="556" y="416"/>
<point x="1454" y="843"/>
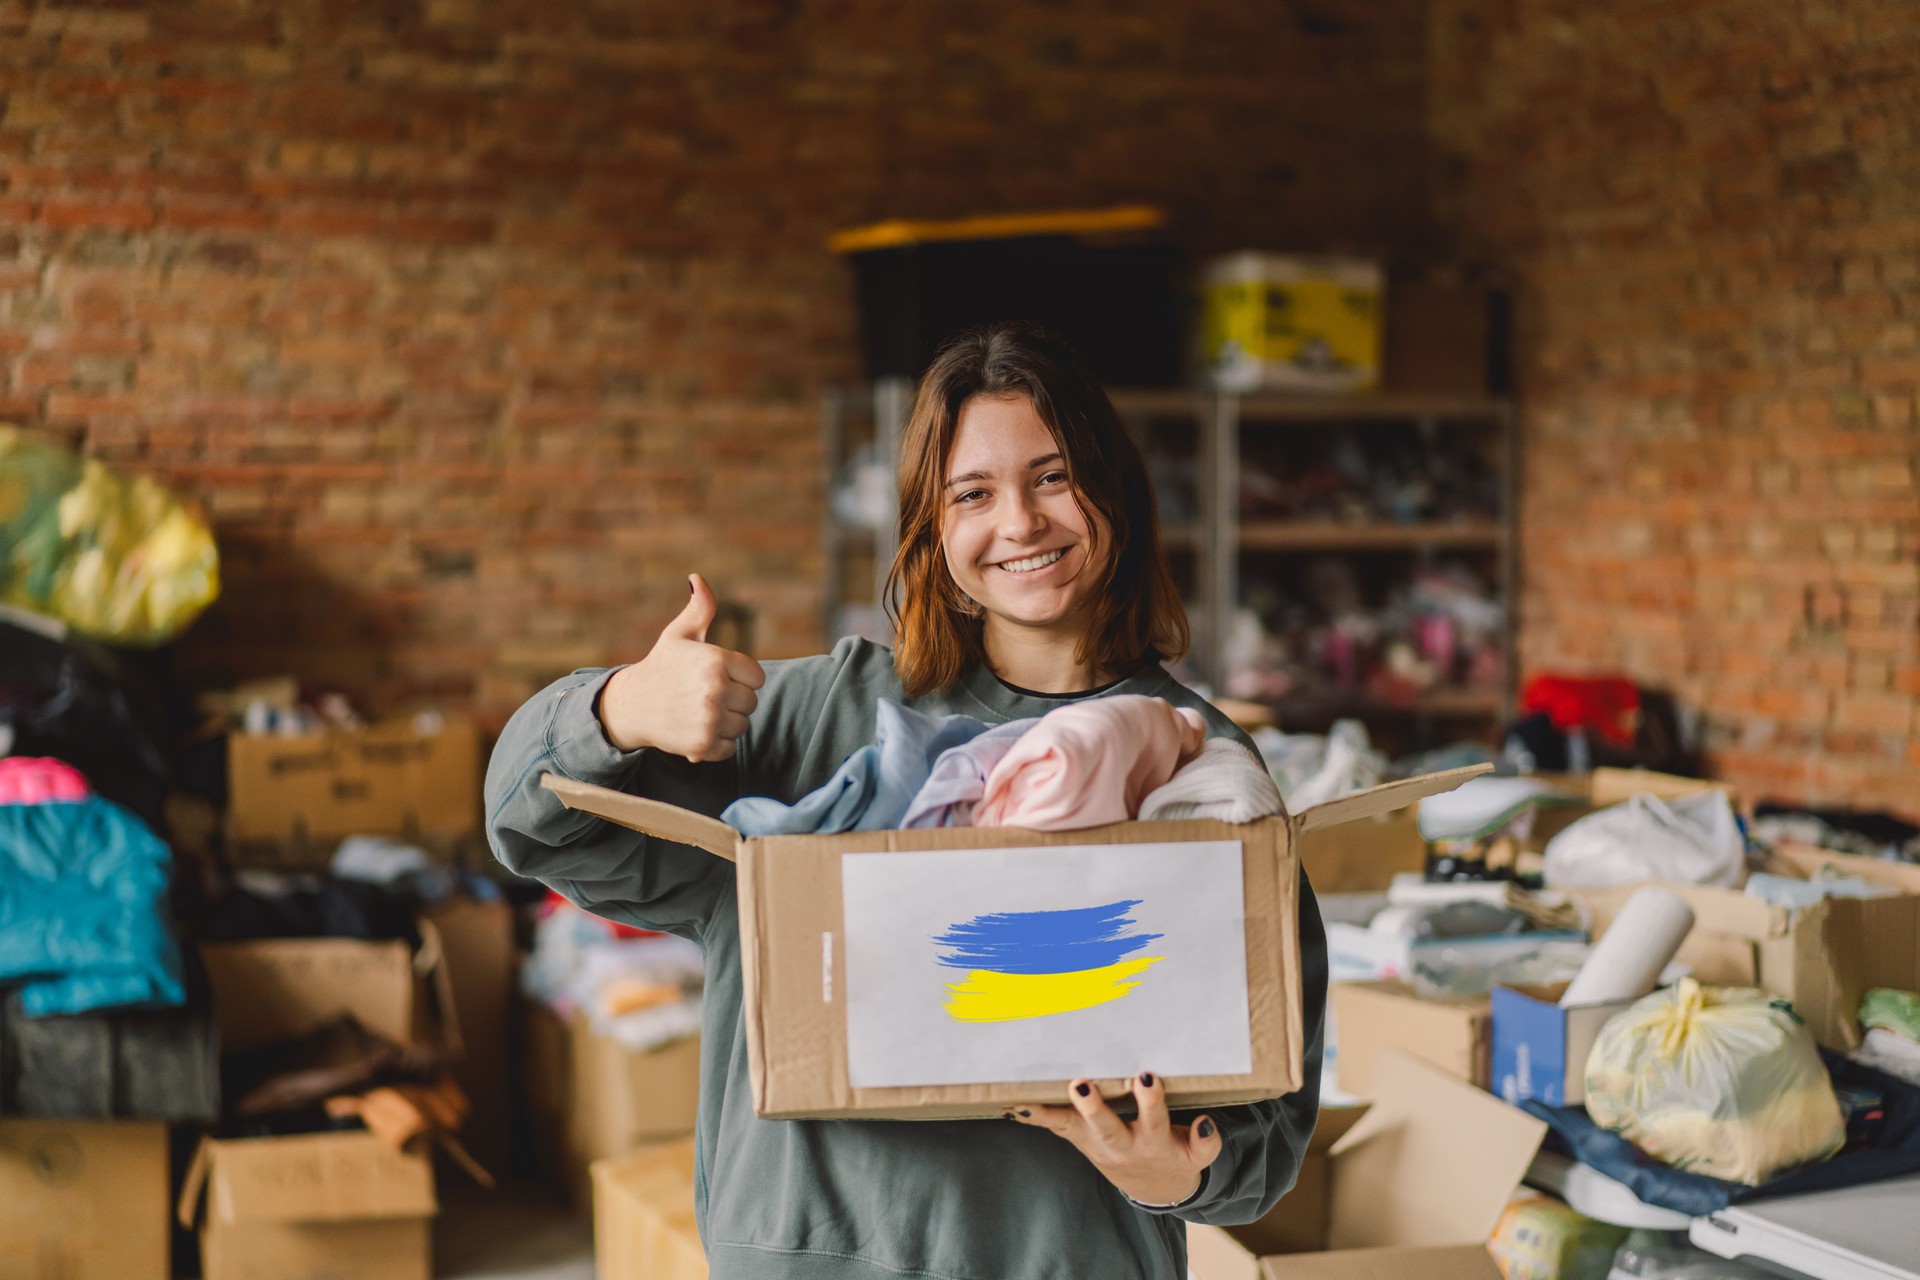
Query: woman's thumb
<point x="694" y="620"/>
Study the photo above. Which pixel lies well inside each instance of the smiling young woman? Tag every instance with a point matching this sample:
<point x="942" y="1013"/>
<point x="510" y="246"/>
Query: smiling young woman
<point x="1029" y="575"/>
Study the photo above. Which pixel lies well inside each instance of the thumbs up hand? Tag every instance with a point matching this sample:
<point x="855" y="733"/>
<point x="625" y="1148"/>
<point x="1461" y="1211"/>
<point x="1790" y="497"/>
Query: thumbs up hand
<point x="686" y="696"/>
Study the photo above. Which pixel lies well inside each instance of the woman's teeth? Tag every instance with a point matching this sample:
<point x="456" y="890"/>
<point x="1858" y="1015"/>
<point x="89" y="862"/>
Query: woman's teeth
<point x="1031" y="563"/>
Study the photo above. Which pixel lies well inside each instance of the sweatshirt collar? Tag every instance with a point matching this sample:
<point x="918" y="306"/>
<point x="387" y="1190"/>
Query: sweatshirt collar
<point x="1002" y="702"/>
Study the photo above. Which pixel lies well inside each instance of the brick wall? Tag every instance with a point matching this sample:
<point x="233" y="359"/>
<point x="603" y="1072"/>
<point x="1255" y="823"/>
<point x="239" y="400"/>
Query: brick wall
<point x="1712" y="211"/>
<point x="476" y="324"/>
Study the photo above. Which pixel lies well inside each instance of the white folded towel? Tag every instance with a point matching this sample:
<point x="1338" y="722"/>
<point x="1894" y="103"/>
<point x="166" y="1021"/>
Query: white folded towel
<point x="1225" y="781"/>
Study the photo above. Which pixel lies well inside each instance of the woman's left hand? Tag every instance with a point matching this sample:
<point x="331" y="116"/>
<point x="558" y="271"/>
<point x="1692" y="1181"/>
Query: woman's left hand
<point x="1151" y="1159"/>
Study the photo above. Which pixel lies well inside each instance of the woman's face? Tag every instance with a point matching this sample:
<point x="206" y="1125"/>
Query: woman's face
<point x="1014" y="540"/>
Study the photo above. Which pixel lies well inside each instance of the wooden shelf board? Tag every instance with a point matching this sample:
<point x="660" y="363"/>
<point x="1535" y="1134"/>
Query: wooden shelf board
<point x="1272" y="408"/>
<point x="1331" y="535"/>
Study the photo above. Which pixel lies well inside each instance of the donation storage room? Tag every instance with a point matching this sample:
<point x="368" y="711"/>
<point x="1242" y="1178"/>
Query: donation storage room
<point x="1050" y="642"/>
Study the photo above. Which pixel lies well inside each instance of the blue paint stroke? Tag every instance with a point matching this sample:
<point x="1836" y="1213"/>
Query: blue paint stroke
<point x="1044" y="941"/>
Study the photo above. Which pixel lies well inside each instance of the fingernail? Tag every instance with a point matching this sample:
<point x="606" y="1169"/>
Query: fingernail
<point x="1204" y="1128"/>
<point x="1025" y="1114"/>
<point x="1006" y="1115"/>
<point x="1146" y="1079"/>
<point x="1083" y="1089"/>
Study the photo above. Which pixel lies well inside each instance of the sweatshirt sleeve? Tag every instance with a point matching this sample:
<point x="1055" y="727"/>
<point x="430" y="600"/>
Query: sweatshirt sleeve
<point x="605" y="868"/>
<point x="1263" y="1143"/>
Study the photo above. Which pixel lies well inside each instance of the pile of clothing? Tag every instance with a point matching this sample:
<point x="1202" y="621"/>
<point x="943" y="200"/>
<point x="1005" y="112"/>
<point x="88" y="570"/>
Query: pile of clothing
<point x="1085" y="764"/>
<point x="635" y="986"/>
<point x="84" y="921"/>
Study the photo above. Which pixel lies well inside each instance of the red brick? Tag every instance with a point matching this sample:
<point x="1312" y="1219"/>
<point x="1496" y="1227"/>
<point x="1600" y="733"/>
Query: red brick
<point x="71" y="214"/>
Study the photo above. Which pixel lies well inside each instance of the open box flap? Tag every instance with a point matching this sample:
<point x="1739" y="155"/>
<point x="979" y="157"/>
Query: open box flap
<point x="1433" y="1163"/>
<point x="1386" y="797"/>
<point x="667" y="821"/>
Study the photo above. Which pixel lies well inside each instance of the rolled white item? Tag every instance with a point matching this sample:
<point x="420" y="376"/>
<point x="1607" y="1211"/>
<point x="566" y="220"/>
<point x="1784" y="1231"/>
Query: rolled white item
<point x="1626" y="962"/>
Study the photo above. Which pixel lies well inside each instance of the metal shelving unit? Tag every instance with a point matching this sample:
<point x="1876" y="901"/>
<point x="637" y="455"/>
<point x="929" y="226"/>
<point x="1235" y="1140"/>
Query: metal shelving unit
<point x="1218" y="538"/>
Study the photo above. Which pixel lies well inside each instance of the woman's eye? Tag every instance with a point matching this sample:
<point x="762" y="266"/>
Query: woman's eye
<point x="971" y="495"/>
<point x="1054" y="477"/>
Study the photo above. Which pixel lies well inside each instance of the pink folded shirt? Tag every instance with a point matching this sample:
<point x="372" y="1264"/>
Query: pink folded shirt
<point x="40" y="780"/>
<point x="1089" y="763"/>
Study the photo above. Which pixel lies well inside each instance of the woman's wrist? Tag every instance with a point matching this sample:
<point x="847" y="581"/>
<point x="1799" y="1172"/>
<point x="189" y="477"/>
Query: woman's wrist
<point x="1199" y="1182"/>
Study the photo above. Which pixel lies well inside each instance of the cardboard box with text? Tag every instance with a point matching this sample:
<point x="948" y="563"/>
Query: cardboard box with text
<point x="1540" y="1049"/>
<point x="415" y="777"/>
<point x="793" y="944"/>
<point x="313" y="1207"/>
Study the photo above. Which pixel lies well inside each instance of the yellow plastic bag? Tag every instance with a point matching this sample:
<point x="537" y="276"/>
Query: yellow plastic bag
<point x="1724" y="1081"/>
<point x="112" y="556"/>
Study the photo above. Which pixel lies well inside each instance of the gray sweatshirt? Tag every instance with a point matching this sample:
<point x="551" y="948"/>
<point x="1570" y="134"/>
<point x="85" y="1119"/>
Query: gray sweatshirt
<point x="861" y="1199"/>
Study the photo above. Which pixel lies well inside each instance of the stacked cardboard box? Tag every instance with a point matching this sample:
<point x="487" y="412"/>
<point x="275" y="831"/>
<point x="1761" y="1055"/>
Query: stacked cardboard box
<point x="589" y="1097"/>
<point x="83" y="1200"/>
<point x="643" y="1217"/>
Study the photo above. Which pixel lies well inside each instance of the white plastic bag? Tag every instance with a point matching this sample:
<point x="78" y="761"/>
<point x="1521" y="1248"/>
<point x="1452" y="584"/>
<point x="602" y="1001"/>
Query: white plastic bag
<point x="1723" y="1081"/>
<point x="1689" y="840"/>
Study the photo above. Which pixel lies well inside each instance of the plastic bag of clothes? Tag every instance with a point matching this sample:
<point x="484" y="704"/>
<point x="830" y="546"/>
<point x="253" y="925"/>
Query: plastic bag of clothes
<point x="111" y="556"/>
<point x="1723" y="1081"/>
<point x="1689" y="840"/>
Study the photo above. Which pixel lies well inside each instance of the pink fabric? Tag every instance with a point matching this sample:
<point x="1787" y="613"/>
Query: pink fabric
<point x="41" y="780"/>
<point x="1089" y="763"/>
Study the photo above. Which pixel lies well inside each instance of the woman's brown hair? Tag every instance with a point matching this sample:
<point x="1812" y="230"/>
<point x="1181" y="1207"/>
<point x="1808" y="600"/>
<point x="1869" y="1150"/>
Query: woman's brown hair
<point x="1137" y="617"/>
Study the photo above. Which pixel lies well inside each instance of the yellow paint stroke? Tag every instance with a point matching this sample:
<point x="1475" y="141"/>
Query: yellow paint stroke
<point x="986" y="996"/>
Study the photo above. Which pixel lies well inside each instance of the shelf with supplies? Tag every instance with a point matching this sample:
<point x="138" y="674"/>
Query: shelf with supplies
<point x="1372" y="516"/>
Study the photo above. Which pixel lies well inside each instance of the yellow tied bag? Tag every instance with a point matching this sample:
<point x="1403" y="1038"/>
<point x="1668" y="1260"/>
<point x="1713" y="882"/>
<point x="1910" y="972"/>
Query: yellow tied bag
<point x="115" y="557"/>
<point x="1723" y="1081"/>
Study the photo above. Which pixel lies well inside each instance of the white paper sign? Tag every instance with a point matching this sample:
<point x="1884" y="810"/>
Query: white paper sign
<point x="969" y="966"/>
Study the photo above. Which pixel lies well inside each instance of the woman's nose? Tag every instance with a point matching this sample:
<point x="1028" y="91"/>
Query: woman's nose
<point x="1021" y="519"/>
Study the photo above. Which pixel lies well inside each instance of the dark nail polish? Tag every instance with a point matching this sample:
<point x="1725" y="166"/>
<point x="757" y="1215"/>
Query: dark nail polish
<point x="1083" y="1089"/>
<point x="1204" y="1128"/>
<point x="1146" y="1079"/>
<point x="1025" y="1114"/>
<point x="1006" y="1115"/>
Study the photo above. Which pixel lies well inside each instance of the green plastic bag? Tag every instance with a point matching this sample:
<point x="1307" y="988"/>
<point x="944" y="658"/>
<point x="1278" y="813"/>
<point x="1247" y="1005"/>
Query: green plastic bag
<point x="1724" y="1081"/>
<point x="114" y="557"/>
<point x="1895" y="1011"/>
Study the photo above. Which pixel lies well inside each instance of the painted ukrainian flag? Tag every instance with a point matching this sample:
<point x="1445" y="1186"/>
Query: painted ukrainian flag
<point x="1028" y="964"/>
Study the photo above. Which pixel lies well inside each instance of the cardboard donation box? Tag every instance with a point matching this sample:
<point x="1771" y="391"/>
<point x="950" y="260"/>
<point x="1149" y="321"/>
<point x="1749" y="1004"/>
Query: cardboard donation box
<point x="1540" y="1049"/>
<point x="1410" y="1190"/>
<point x="1823" y="958"/>
<point x="83" y="1200"/>
<point x="843" y="938"/>
<point x="273" y="989"/>
<point x="417" y="777"/>
<point x="1373" y="1019"/>
<point x="591" y="1097"/>
<point x="313" y="1207"/>
<point x="643" y="1227"/>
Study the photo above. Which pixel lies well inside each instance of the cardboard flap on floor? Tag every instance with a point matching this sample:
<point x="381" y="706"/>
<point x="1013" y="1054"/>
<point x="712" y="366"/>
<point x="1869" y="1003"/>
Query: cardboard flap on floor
<point x="649" y="817"/>
<point x="318" y="1177"/>
<point x="1385" y="798"/>
<point x="1433" y="1162"/>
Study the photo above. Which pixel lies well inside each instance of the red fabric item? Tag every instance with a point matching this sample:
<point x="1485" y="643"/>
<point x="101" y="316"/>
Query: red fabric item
<point x="555" y="902"/>
<point x="1605" y="705"/>
<point x="41" y="780"/>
